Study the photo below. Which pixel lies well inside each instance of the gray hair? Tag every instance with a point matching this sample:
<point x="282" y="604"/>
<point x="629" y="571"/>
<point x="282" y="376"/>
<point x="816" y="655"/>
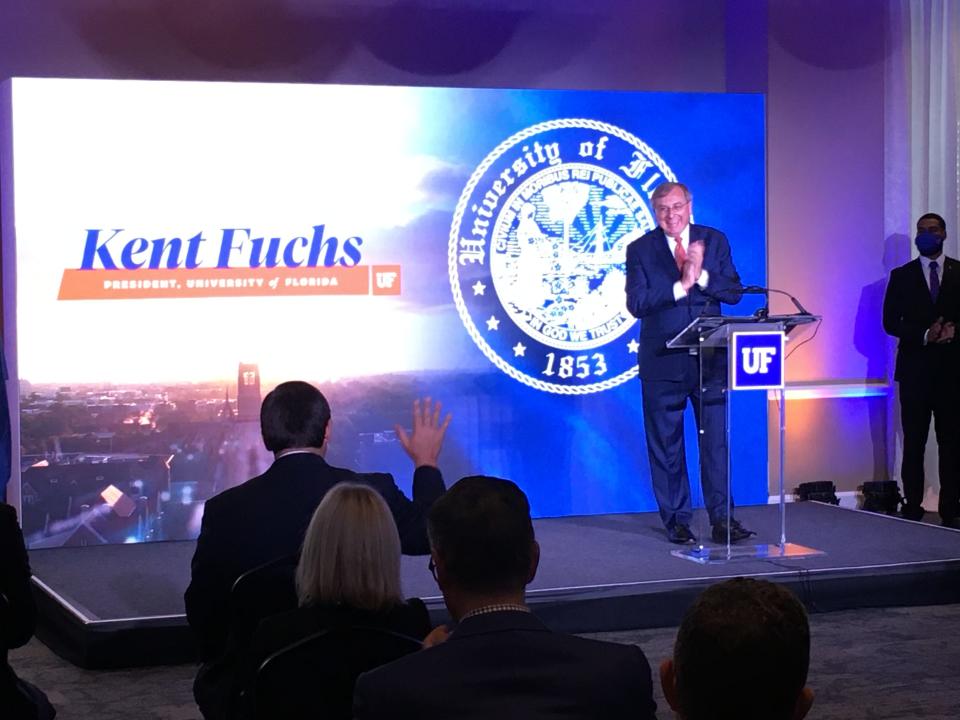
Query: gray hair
<point x="351" y="552"/>
<point x="666" y="187"/>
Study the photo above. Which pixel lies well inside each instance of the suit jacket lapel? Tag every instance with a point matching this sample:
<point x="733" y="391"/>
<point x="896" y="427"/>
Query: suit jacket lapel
<point x="919" y="284"/>
<point x="662" y="252"/>
<point x="949" y="280"/>
<point x="949" y="275"/>
<point x="697" y="233"/>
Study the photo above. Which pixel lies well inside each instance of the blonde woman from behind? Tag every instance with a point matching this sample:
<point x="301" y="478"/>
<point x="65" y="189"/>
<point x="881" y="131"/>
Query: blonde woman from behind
<point x="348" y="586"/>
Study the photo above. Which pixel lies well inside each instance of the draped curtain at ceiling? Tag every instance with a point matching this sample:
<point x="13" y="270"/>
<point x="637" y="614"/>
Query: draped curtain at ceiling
<point x="925" y="36"/>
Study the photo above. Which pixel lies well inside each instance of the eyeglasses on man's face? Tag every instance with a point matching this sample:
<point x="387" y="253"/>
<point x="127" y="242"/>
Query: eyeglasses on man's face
<point x="662" y="210"/>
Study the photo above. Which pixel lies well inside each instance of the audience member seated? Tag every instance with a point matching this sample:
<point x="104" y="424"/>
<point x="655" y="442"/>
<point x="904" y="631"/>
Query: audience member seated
<point x="19" y="700"/>
<point x="742" y="652"/>
<point x="499" y="661"/>
<point x="348" y="584"/>
<point x="265" y="518"/>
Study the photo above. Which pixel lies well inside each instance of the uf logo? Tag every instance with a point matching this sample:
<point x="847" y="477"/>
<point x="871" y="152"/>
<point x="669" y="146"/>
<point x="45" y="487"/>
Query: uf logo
<point x="386" y="279"/>
<point x="757" y="360"/>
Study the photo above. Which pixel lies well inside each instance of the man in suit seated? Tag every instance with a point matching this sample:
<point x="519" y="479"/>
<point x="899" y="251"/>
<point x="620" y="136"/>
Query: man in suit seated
<point x="265" y="518"/>
<point x="742" y="652"/>
<point x="499" y="660"/>
<point x="19" y="700"/>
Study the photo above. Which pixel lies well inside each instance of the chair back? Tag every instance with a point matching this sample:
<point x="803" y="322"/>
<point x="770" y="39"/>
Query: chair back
<point x="265" y="590"/>
<point x="314" y="677"/>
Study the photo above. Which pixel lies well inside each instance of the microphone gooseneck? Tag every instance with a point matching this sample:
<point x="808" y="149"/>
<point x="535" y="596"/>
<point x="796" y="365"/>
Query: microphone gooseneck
<point x="758" y="290"/>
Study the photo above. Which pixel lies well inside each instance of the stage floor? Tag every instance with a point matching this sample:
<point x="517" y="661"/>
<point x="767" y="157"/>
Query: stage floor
<point x="106" y="605"/>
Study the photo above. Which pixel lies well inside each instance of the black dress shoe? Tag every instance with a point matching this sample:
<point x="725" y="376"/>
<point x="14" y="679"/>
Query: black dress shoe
<point x="680" y="534"/>
<point x="737" y="532"/>
<point x="912" y="512"/>
<point x="953" y="523"/>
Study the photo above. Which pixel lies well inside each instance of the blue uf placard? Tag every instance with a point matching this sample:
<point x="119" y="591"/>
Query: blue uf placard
<point x="757" y="361"/>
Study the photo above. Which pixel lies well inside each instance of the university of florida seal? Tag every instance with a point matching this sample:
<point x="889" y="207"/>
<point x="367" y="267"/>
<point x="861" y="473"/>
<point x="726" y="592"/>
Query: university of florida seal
<point x="537" y="252"/>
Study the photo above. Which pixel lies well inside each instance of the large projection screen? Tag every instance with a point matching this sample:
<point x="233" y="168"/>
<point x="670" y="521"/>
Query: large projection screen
<point x="173" y="250"/>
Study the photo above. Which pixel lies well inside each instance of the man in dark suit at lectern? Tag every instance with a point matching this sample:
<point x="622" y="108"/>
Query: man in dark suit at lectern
<point x="676" y="273"/>
<point x="922" y="309"/>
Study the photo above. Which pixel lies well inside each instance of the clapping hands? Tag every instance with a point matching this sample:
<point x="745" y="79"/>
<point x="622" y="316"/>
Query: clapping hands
<point x="693" y="265"/>
<point x="941" y="331"/>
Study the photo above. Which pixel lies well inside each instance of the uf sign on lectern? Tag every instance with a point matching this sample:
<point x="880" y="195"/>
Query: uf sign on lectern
<point x="757" y="360"/>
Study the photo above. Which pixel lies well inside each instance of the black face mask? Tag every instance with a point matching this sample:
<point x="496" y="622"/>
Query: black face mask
<point x="928" y="244"/>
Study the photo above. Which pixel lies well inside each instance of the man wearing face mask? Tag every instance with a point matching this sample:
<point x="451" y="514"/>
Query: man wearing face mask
<point x="922" y="309"/>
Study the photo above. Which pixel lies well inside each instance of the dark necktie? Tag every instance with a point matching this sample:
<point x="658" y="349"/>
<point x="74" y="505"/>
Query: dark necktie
<point x="934" y="282"/>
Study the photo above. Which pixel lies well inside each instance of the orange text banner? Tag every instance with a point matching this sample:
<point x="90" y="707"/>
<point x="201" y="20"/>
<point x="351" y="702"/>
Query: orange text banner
<point x="222" y="282"/>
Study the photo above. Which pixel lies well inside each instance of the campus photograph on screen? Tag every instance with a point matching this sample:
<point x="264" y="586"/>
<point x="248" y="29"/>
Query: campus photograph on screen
<point x="174" y="250"/>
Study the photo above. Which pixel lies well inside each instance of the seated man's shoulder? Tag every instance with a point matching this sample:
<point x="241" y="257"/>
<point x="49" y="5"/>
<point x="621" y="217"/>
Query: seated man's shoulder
<point x="7" y="513"/>
<point x="599" y="655"/>
<point x="11" y="534"/>
<point x="605" y="651"/>
<point x="226" y="499"/>
<point x="403" y="673"/>
<point x="612" y="675"/>
<point x="617" y="672"/>
<point x="376" y="480"/>
<point x="263" y="485"/>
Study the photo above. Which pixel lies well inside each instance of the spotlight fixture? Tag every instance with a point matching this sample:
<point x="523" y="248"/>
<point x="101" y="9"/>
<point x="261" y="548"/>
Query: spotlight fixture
<point x="881" y="496"/>
<point x="820" y="491"/>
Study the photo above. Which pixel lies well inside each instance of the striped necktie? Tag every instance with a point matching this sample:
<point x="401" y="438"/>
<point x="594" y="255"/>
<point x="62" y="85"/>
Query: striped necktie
<point x="679" y="254"/>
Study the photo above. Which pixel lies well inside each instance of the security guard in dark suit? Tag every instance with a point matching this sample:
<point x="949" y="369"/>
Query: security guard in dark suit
<point x="922" y="308"/>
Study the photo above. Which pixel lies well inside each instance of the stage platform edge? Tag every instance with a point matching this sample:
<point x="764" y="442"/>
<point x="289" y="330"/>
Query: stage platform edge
<point x="118" y="606"/>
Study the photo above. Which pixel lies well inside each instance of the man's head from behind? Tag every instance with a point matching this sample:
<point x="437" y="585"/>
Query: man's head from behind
<point x="742" y="652"/>
<point x="294" y="415"/>
<point x="482" y="540"/>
